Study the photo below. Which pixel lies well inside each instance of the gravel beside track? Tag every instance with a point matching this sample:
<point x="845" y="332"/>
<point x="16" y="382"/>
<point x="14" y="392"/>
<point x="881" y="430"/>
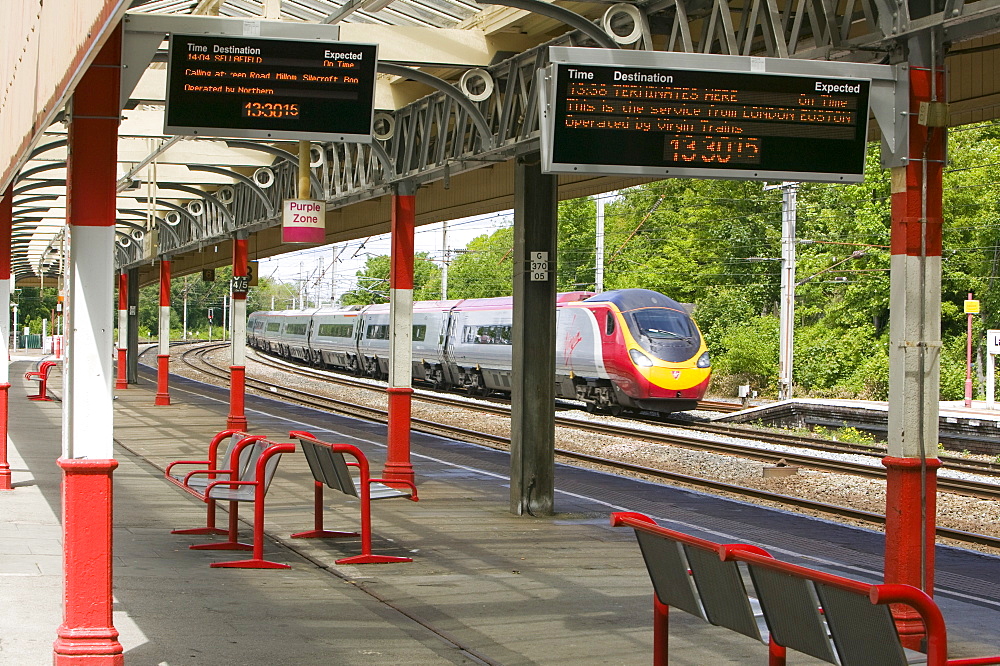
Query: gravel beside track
<point x="954" y="511"/>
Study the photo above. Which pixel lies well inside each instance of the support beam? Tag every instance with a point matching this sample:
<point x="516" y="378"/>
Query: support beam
<point x="6" y="222"/>
<point x="121" y="381"/>
<point x="915" y="343"/>
<point x="87" y="634"/>
<point x="163" y="351"/>
<point x="397" y="462"/>
<point x="237" y="419"/>
<point x="532" y="430"/>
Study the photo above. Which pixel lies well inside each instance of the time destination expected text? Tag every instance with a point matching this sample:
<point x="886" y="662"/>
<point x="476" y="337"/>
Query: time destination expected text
<point x="271" y="84"/>
<point x="706" y="119"/>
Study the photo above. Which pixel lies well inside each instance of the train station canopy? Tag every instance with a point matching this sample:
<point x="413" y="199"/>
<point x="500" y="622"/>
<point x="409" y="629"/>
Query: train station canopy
<point x="455" y="103"/>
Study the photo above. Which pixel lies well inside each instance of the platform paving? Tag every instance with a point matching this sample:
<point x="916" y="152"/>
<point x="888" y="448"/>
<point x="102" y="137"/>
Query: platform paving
<point x="484" y="587"/>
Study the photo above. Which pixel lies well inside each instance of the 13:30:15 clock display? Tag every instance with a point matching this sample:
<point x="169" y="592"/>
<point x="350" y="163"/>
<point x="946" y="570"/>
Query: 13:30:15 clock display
<point x="270" y="110"/>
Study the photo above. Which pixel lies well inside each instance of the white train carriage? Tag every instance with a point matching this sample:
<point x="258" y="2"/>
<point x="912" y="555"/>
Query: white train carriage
<point x="478" y="345"/>
<point x="267" y="330"/>
<point x="294" y="334"/>
<point x="256" y="323"/>
<point x="334" y="338"/>
<point x="430" y="328"/>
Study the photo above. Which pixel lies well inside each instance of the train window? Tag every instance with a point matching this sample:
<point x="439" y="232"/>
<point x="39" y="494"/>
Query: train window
<point x="419" y="332"/>
<point x="295" y="329"/>
<point x="377" y="332"/>
<point x="609" y="325"/>
<point x="274" y="326"/>
<point x="487" y="335"/>
<point x="336" y="330"/>
<point x="663" y="324"/>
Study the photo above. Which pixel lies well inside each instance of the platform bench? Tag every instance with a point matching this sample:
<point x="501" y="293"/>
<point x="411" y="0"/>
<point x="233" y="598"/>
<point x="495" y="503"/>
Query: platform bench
<point x="41" y="375"/>
<point x="835" y="619"/>
<point x="329" y="468"/>
<point x="245" y="474"/>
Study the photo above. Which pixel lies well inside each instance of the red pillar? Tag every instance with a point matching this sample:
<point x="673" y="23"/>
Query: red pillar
<point x="122" y="379"/>
<point x="163" y="355"/>
<point x="87" y="634"/>
<point x="237" y="371"/>
<point x="397" y="462"/>
<point x="6" y="222"/>
<point x="915" y="332"/>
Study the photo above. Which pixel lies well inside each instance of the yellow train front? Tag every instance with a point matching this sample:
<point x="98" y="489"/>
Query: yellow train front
<point x="646" y="353"/>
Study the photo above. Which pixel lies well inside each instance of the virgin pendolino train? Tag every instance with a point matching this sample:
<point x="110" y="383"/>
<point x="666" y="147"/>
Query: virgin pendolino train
<point x="631" y="349"/>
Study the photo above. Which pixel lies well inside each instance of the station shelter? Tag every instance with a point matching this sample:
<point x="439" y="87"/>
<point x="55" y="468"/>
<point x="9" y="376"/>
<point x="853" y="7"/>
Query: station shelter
<point x="102" y="189"/>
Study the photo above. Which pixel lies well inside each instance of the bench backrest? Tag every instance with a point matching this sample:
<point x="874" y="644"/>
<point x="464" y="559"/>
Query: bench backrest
<point x="329" y="467"/>
<point x="687" y="574"/>
<point x="249" y="455"/>
<point x="828" y="617"/>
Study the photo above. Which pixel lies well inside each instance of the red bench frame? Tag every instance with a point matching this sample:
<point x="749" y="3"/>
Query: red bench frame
<point x="775" y="599"/>
<point x="364" y="494"/>
<point x="884" y="594"/>
<point x="233" y="479"/>
<point x="213" y="470"/>
<point x="41" y="375"/>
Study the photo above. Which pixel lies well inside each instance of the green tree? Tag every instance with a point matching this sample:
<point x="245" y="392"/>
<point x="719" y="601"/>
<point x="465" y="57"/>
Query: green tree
<point x="485" y="268"/>
<point x="373" y="281"/>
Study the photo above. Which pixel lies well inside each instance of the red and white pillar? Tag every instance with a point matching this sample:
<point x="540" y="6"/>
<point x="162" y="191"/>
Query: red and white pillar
<point x="87" y="634"/>
<point x="122" y="379"/>
<point x="6" y="222"/>
<point x="163" y="341"/>
<point x="915" y="345"/>
<point x="397" y="462"/>
<point x="237" y="371"/>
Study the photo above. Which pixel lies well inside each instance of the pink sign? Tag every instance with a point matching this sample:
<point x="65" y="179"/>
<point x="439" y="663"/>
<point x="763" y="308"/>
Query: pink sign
<point x="303" y="221"/>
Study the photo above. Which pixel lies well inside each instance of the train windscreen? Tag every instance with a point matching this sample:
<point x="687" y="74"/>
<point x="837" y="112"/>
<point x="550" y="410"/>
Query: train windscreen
<point x="663" y="324"/>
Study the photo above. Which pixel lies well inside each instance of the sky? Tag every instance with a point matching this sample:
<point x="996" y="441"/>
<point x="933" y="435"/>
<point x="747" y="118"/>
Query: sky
<point x="314" y="266"/>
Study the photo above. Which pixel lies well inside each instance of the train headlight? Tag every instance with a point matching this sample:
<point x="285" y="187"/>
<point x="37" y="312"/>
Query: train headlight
<point x="640" y="359"/>
<point x="704" y="361"/>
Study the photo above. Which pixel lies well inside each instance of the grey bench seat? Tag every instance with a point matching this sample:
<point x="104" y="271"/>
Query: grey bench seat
<point x="331" y="469"/>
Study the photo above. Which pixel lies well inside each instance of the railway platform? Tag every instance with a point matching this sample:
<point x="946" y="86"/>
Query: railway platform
<point x="484" y="586"/>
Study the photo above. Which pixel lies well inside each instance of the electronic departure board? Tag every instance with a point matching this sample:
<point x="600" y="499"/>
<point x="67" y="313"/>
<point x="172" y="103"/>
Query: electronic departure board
<point x="618" y="119"/>
<point x="264" y="88"/>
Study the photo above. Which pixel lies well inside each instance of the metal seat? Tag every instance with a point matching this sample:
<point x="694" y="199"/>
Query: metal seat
<point x="329" y="468"/>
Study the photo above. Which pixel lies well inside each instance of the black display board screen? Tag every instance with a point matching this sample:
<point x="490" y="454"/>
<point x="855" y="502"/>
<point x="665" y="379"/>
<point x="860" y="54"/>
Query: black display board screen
<point x="263" y="88"/>
<point x="681" y="122"/>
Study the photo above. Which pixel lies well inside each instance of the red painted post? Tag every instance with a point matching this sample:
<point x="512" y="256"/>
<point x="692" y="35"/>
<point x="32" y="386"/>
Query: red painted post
<point x="915" y="329"/>
<point x="87" y="634"/>
<point x="6" y="222"/>
<point x="122" y="378"/>
<point x="163" y="355"/>
<point x="397" y="462"/>
<point x="661" y="631"/>
<point x="237" y="419"/>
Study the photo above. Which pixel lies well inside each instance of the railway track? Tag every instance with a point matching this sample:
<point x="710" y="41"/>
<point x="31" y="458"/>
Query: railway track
<point x="817" y="444"/>
<point x="195" y="357"/>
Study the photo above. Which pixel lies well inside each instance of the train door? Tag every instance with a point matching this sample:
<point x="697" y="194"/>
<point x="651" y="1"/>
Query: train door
<point x="447" y="341"/>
